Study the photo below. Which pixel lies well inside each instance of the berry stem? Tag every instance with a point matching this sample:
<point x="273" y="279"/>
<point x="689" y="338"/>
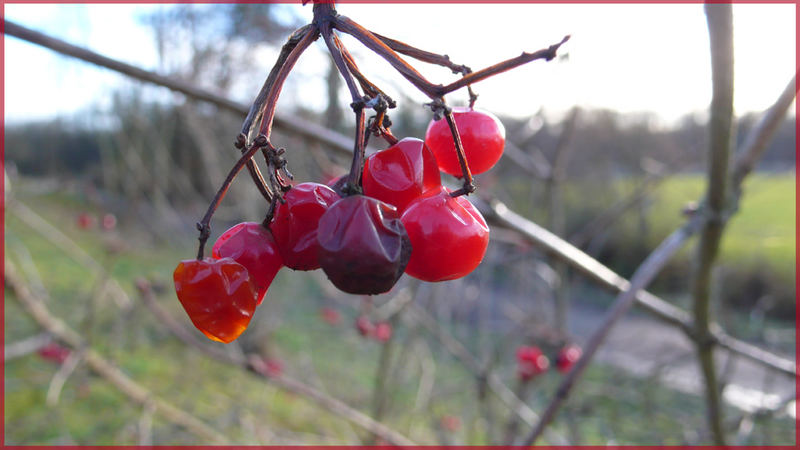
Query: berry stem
<point x="547" y="54"/>
<point x="469" y="186"/>
<point x="337" y="52"/>
<point x="203" y="225"/>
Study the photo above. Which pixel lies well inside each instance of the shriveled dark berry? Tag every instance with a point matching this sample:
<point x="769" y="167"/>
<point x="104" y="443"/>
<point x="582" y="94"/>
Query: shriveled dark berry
<point x="363" y="246"/>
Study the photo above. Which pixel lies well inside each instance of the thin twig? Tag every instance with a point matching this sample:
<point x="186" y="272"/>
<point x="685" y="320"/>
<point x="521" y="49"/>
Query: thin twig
<point x="27" y="346"/>
<point x="721" y="124"/>
<point x="255" y="365"/>
<point x="641" y="278"/>
<point x="69" y="247"/>
<point x="133" y="390"/>
<point x="498" y="214"/>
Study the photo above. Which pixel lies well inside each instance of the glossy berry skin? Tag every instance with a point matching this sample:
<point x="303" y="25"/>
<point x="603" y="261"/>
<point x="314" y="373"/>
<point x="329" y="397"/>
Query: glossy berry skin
<point x="567" y="357"/>
<point x="482" y="135"/>
<point x="383" y="332"/>
<point x="251" y="245"/>
<point x="218" y="296"/>
<point x="449" y="236"/>
<point x="401" y="173"/>
<point x="294" y="225"/>
<point x="531" y="362"/>
<point x="363" y="246"/>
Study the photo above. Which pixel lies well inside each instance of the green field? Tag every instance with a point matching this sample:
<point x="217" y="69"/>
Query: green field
<point x="332" y="358"/>
<point x="763" y="231"/>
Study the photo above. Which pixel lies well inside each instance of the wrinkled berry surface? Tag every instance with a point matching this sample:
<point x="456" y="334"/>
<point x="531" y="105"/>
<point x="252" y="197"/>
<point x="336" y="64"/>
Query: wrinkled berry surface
<point x="251" y="245"/>
<point x="294" y="225"/>
<point x="218" y="296"/>
<point x="363" y="246"/>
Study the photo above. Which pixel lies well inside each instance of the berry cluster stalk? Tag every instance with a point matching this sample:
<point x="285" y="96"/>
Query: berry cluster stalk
<point x="326" y="20"/>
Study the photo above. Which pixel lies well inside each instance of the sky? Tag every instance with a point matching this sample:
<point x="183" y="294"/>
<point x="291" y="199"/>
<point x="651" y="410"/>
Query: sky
<point x="648" y="58"/>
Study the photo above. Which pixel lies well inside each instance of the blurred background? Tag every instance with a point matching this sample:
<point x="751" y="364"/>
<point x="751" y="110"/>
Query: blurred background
<point x="105" y="177"/>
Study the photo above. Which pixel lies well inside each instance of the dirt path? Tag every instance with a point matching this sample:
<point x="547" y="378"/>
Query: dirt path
<point x="643" y="346"/>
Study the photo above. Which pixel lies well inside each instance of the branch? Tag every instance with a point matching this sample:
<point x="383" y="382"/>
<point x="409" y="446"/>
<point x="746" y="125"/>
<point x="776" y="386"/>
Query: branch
<point x="26" y="346"/>
<point x="133" y="390"/>
<point x="289" y="123"/>
<point x="498" y="214"/>
<point x="646" y="272"/>
<point x="69" y="247"/>
<point x="720" y="30"/>
<point x="255" y="365"/>
<point x="758" y="139"/>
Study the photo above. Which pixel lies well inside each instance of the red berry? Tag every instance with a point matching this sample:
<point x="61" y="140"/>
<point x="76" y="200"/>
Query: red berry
<point x="567" y="357"/>
<point x="363" y="246"/>
<point x="54" y="352"/>
<point x="364" y="326"/>
<point x="451" y="423"/>
<point x="295" y="224"/>
<point x="530" y="362"/>
<point x="401" y="173"/>
<point x="331" y="315"/>
<point x="86" y="221"/>
<point x="274" y="367"/>
<point x="218" y="296"/>
<point x="449" y="236"/>
<point x="109" y="222"/>
<point x="482" y="135"/>
<point x="383" y="332"/>
<point x="251" y="245"/>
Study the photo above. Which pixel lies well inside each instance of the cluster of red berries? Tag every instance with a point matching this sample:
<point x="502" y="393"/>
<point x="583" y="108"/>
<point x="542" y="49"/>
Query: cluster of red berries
<point x="532" y="362"/>
<point x="88" y="221"/>
<point x="381" y="331"/>
<point x="400" y="220"/>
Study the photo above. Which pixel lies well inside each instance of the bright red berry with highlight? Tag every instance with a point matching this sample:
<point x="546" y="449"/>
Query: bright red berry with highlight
<point x="531" y="362"/>
<point x="251" y="245"/>
<point x="401" y="173"/>
<point x="448" y="236"/>
<point x="218" y="296"/>
<point x="482" y="134"/>
<point x="294" y="225"/>
<point x="363" y="246"/>
<point x="567" y="357"/>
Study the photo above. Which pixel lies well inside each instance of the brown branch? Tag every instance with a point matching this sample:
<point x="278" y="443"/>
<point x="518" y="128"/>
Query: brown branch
<point x="474" y="77"/>
<point x="255" y="365"/>
<point x="469" y="361"/>
<point x="646" y="272"/>
<point x="422" y="55"/>
<point x="759" y="138"/>
<point x="721" y="124"/>
<point x="69" y="247"/>
<point x="498" y="214"/>
<point x="111" y="373"/>
<point x="26" y="346"/>
<point x="369" y="40"/>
